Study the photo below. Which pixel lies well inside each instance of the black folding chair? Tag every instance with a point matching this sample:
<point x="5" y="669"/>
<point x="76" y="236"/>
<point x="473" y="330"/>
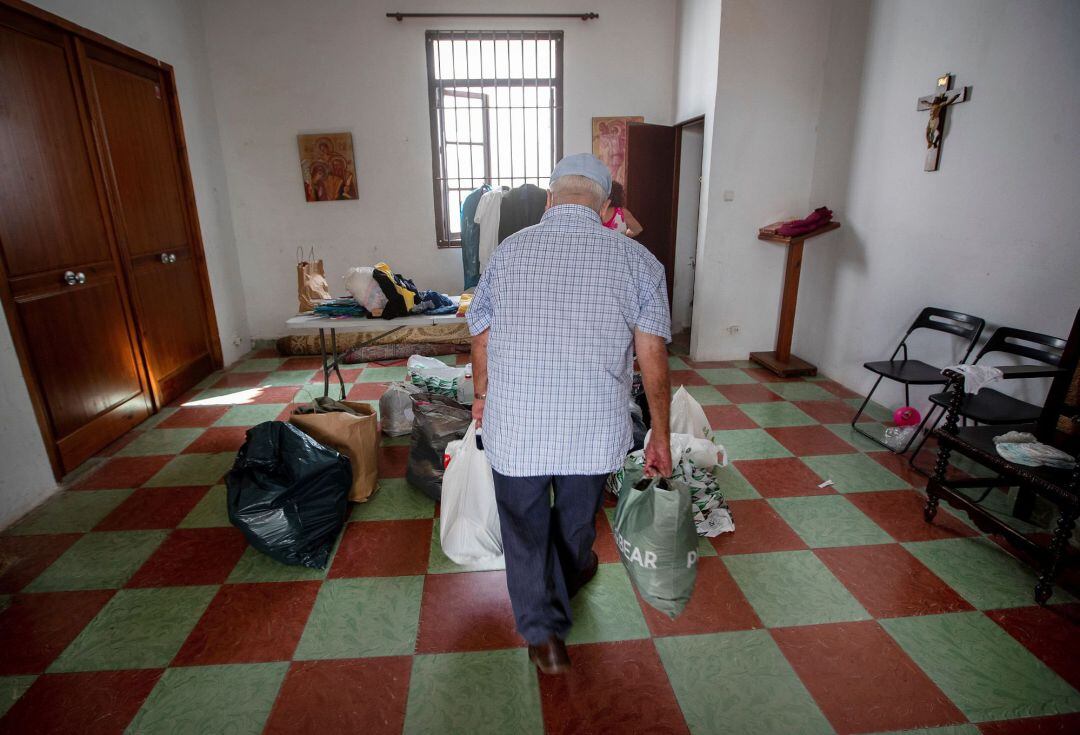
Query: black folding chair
<point x="916" y="372"/>
<point x="992" y="407"/>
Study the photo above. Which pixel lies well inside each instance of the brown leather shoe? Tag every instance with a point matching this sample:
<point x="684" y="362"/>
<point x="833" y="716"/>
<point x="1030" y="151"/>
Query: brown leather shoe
<point x="550" y="657"/>
<point x="586" y="575"/>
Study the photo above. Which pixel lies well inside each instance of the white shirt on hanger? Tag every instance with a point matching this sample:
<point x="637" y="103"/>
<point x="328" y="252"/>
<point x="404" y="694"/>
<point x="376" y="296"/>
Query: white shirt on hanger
<point x="488" y="211"/>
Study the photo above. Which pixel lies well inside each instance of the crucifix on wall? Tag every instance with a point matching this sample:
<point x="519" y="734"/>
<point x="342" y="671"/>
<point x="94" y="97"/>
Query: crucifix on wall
<point x="937" y="104"/>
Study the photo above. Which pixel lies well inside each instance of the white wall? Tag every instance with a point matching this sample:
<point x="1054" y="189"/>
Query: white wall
<point x="768" y="99"/>
<point x="170" y="30"/>
<point x="993" y="231"/>
<point x="686" y="231"/>
<point x="281" y="67"/>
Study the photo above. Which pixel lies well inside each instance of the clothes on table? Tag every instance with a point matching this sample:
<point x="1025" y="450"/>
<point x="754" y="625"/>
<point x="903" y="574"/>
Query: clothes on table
<point x="1021" y="447"/>
<point x="400" y="291"/>
<point x="433" y="302"/>
<point x="521" y="207"/>
<point x="976" y="377"/>
<point x="341" y="308"/>
<point x="470" y="236"/>
<point x="488" y="214"/>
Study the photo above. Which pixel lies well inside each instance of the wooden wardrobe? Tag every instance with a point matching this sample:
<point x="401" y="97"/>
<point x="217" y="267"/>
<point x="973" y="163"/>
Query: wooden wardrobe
<point x="102" y="274"/>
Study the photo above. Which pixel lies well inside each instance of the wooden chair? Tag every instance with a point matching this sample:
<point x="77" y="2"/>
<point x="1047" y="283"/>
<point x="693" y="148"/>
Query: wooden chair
<point x="1058" y="425"/>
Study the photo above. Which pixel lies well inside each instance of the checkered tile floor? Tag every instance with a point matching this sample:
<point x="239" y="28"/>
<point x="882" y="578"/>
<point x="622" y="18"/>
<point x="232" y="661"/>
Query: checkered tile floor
<point x="129" y="603"/>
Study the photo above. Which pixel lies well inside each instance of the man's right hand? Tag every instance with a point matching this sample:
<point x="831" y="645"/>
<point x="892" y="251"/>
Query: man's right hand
<point x="478" y="413"/>
<point x="658" y="457"/>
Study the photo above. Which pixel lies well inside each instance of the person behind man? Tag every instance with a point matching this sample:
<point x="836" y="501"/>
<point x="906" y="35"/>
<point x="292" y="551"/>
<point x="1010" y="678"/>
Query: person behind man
<point x="556" y="319"/>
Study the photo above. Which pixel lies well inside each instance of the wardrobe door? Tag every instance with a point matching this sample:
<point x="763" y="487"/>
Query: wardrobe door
<point x="130" y="104"/>
<point x="60" y="276"/>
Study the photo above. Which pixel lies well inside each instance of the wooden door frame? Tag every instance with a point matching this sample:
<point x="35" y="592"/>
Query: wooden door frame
<point x="7" y="299"/>
<point x="679" y="127"/>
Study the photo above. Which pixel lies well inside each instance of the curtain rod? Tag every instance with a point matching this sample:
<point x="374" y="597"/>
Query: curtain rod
<point x="583" y="16"/>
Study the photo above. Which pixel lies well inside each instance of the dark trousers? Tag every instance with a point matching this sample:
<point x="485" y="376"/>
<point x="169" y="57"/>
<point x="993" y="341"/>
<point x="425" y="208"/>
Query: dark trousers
<point x="546" y="545"/>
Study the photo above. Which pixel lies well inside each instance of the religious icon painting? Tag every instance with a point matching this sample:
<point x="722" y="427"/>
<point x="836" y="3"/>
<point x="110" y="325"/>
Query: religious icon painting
<point x="328" y="166"/>
<point x="609" y="139"/>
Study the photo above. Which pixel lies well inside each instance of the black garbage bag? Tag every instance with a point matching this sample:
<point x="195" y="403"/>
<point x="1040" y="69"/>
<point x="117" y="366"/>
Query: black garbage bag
<point x="637" y="392"/>
<point x="438" y="420"/>
<point x="637" y="418"/>
<point x="289" y="494"/>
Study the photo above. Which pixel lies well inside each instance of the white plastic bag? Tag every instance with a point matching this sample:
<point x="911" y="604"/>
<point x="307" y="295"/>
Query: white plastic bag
<point x="365" y="289"/>
<point x="435" y="376"/>
<point x="469" y="517"/>
<point x="687" y="415"/>
<point x="704" y="453"/>
<point x="396" y="409"/>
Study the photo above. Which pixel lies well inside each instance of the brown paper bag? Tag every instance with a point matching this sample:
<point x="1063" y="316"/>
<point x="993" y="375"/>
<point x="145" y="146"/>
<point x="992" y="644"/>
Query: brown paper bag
<point x="310" y="280"/>
<point x="355" y="436"/>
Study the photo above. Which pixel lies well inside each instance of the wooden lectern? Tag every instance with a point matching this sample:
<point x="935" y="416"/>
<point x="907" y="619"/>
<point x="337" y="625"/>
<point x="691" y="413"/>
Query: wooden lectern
<point x="780" y="360"/>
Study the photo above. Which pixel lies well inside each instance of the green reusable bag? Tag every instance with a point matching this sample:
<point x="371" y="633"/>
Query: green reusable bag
<point x="654" y="530"/>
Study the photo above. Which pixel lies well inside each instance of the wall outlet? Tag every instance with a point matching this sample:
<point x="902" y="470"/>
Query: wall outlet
<point x="237" y="340"/>
<point x="729" y="195"/>
<point x="733" y="329"/>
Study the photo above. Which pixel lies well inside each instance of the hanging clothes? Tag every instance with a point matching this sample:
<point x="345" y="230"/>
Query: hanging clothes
<point x="521" y="207"/>
<point x="488" y="215"/>
<point x="470" y="237"/>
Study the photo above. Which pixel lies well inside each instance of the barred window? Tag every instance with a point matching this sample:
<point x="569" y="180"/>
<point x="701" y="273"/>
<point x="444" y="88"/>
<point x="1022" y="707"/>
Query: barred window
<point x="496" y="115"/>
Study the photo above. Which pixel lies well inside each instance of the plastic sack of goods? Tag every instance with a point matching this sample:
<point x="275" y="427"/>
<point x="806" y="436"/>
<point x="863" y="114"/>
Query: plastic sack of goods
<point x="435" y="376"/>
<point x="438" y="421"/>
<point x="396" y="409"/>
<point x="469" y="517"/>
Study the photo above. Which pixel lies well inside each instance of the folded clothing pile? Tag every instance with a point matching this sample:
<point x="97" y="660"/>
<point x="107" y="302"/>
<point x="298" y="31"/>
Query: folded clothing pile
<point x="344" y="307"/>
<point x="433" y="302"/>
<point x="1020" y="447"/>
<point x="813" y="221"/>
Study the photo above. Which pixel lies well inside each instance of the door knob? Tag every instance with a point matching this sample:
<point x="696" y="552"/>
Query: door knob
<point x="172" y="257"/>
<point x="72" y="278"/>
<point x="164" y="257"/>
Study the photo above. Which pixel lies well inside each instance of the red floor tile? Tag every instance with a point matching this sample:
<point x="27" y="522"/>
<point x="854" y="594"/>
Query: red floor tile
<point x="23" y="558"/>
<point x="348" y="374"/>
<point x="686" y="377"/>
<point x="836" y="389"/>
<point x="748" y="393"/>
<point x="782" y="478"/>
<point x="93" y="703"/>
<point x="393" y="461"/>
<point x="1051" y="633"/>
<point x="197" y="417"/>
<point x="249" y="623"/>
<point x="728" y="417"/>
<point x="36" y="628"/>
<point x="758" y="528"/>
<point x="616" y="687"/>
<point x="241" y="380"/>
<point x="830" y="412"/>
<point x="123" y="472"/>
<point x="1054" y="725"/>
<point x="275" y="394"/>
<point x="343" y="697"/>
<point x="302" y="363"/>
<point x="717" y="605"/>
<point x="890" y="582"/>
<point x="900" y="513"/>
<point x="604" y="546"/>
<point x="367" y="391"/>
<point x="218" y="439"/>
<point x="862" y="680"/>
<point x="806" y="441"/>
<point x="466" y="612"/>
<point x="191" y="556"/>
<point x="383" y="549"/>
<point x="153" y="507"/>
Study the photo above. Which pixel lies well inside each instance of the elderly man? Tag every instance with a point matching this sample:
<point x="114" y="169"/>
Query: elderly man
<point x="556" y="319"/>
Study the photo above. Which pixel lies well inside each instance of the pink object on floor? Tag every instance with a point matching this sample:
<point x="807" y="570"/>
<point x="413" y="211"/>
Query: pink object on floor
<point x="906" y="416"/>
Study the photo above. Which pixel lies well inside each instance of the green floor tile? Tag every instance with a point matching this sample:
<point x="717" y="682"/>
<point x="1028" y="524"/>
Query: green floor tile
<point x="195" y="700"/>
<point x="250" y="415"/>
<point x="99" y="561"/>
<point x="255" y="566"/>
<point x="986" y="672"/>
<point x="873" y="409"/>
<point x="137" y="629"/>
<point x="705" y="547"/>
<point x="793" y="588"/>
<point x="982" y="572"/>
<point x="606" y="609"/>
<point x="353" y="618"/>
<point x="733" y="485"/>
<point x="800" y="391"/>
<point x="383" y="374"/>
<point x="160" y="441"/>
<point x="725" y="376"/>
<point x="857" y="440"/>
<point x="829" y="520"/>
<point x="707" y="395"/>
<point x="440" y="563"/>
<point x="11" y="688"/>
<point x="289" y="377"/>
<point x="749" y="444"/>
<point x="209" y="380"/>
<point x="210" y="512"/>
<point x="492" y="692"/>
<point x="71" y="512"/>
<point x="948" y="730"/>
<point x="777" y="413"/>
<point x="193" y="469"/>
<point x="156" y="419"/>
<point x="738" y="683"/>
<point x="677" y="363"/>
<point x="260" y="365"/>
<point x="854" y="473"/>
<point x="396" y="500"/>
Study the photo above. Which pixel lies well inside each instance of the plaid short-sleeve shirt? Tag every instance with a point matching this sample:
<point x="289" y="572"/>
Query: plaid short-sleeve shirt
<point x="562" y="300"/>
